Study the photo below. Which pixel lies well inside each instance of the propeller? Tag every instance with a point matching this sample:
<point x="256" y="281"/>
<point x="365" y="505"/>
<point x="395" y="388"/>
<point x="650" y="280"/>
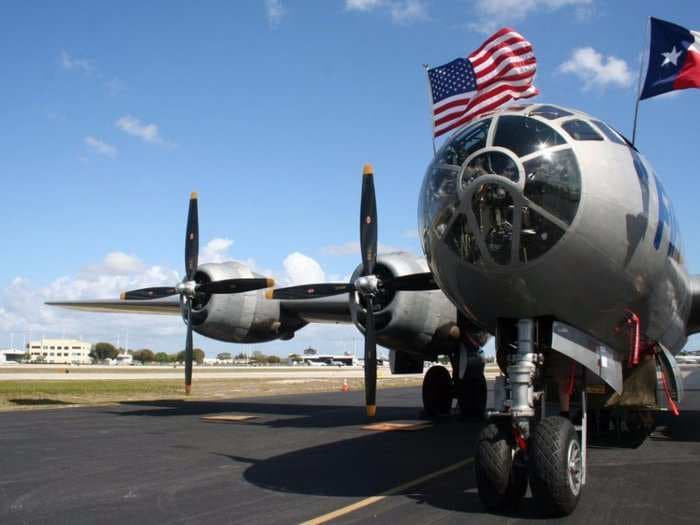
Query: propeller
<point x="189" y="288"/>
<point x="368" y="285"/>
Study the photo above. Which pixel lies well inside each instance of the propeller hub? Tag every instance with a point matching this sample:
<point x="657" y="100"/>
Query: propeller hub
<point x="367" y="285"/>
<point x="187" y="288"/>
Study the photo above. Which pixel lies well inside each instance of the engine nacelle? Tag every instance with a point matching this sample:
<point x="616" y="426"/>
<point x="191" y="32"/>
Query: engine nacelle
<point x="419" y="323"/>
<point x="238" y="318"/>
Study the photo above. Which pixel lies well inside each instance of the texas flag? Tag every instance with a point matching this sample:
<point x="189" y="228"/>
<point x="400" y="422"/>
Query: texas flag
<point x="674" y="59"/>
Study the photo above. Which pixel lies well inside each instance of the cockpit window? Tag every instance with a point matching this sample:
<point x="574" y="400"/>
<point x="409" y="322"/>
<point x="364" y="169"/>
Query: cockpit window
<point x="581" y="130"/>
<point x="500" y="209"/>
<point x="524" y="135"/>
<point x="490" y="163"/>
<point x="551" y="112"/>
<point x="553" y="181"/>
<point x="608" y="132"/>
<point x="465" y="143"/>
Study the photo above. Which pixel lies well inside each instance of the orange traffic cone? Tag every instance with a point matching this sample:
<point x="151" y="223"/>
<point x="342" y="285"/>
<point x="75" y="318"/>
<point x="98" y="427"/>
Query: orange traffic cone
<point x="346" y="387"/>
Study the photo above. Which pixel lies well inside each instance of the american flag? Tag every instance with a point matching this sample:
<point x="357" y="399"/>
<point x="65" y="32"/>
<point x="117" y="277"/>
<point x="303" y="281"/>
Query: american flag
<point x="502" y="69"/>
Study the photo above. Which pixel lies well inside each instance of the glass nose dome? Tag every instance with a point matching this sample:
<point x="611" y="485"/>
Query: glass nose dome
<point x="501" y="191"/>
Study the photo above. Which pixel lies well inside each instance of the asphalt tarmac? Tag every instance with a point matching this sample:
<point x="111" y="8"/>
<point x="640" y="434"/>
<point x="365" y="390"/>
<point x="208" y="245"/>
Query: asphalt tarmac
<point x="303" y="457"/>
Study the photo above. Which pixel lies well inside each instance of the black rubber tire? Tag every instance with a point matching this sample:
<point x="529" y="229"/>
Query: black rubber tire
<point x="548" y="466"/>
<point x="437" y="391"/>
<point x="501" y="486"/>
<point x="471" y="396"/>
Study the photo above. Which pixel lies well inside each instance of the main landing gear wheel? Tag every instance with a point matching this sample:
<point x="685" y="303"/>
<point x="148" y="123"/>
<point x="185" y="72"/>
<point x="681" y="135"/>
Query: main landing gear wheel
<point x="556" y="466"/>
<point x="501" y="481"/>
<point x="471" y="396"/>
<point x="437" y="391"/>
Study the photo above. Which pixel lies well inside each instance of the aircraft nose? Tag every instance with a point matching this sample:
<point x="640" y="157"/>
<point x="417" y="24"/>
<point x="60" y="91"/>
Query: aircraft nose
<point x="509" y="210"/>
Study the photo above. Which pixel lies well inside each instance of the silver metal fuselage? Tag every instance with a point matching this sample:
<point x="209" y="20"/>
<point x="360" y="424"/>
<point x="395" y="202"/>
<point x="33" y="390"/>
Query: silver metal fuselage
<point x="613" y="258"/>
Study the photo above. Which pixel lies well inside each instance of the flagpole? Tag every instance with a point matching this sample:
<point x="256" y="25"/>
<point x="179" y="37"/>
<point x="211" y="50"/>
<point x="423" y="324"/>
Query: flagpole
<point x="639" y="82"/>
<point x="430" y="106"/>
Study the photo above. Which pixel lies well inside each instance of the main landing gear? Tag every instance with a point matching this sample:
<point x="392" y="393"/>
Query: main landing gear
<point x="467" y="384"/>
<point x="521" y="443"/>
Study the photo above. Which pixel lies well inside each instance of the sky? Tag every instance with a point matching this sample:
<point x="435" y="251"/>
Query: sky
<point x="113" y="112"/>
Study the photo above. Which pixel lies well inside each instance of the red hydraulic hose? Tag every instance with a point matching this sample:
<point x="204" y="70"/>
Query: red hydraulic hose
<point x="669" y="400"/>
<point x="633" y="322"/>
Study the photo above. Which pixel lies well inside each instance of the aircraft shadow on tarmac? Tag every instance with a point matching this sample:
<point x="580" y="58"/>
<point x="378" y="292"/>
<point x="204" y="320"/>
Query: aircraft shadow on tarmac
<point x="273" y="414"/>
<point x="366" y="463"/>
<point x="365" y="466"/>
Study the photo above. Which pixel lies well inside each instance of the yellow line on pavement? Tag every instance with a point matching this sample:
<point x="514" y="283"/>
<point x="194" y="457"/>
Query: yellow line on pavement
<point x="375" y="499"/>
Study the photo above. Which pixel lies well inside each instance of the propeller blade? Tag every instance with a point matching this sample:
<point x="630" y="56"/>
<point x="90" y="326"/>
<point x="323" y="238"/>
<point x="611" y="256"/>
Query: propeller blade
<point x="310" y="291"/>
<point x="155" y="292"/>
<point x="370" y="362"/>
<point x="192" y="238"/>
<point x="413" y="282"/>
<point x="189" y="352"/>
<point x="368" y="222"/>
<point x="235" y="285"/>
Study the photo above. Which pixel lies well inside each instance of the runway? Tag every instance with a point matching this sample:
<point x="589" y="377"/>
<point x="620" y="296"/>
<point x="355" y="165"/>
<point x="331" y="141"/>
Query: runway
<point x="302" y="457"/>
<point x="90" y="372"/>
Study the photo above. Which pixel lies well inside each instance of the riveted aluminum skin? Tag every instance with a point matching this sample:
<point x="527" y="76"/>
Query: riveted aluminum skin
<point x="605" y="264"/>
<point x="415" y="322"/>
<point x="237" y="318"/>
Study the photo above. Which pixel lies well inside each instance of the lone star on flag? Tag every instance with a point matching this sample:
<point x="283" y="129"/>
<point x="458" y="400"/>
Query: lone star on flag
<point x="671" y="57"/>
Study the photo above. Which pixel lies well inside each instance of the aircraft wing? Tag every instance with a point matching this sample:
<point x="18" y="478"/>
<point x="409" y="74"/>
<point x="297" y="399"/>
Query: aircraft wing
<point x="155" y="306"/>
<point x="333" y="309"/>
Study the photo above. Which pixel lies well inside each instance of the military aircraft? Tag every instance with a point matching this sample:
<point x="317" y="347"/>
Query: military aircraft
<point x="540" y="225"/>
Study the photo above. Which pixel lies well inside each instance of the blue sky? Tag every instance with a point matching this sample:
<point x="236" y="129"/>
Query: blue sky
<point x="114" y="112"/>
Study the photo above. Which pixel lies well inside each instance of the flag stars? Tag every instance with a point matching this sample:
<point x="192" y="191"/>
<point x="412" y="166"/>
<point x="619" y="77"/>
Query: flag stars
<point x="671" y="57"/>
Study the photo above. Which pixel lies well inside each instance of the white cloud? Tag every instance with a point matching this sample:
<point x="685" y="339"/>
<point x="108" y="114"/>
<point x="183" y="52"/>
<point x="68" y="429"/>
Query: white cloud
<point x="353" y="248"/>
<point x="100" y="147"/>
<point x="133" y="126"/>
<point x="363" y="5"/>
<point x="275" y="12"/>
<point x="72" y="63"/>
<point x="597" y="70"/>
<point x="216" y="251"/>
<point x="401" y="11"/>
<point x="303" y="269"/>
<point x="23" y="312"/>
<point x="408" y="11"/>
<point x="492" y="14"/>
<point x="411" y="233"/>
<point x="121" y="263"/>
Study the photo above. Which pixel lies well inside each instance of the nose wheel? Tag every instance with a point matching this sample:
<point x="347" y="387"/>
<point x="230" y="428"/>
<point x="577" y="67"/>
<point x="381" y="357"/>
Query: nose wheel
<point x="556" y="466"/>
<point x="501" y="471"/>
<point x="521" y="443"/>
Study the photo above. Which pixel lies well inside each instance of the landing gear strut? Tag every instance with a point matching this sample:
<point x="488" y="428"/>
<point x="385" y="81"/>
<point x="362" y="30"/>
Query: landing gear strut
<point x="520" y="439"/>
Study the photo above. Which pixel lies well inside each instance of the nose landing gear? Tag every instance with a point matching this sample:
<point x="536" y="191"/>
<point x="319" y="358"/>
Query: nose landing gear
<point x="521" y="443"/>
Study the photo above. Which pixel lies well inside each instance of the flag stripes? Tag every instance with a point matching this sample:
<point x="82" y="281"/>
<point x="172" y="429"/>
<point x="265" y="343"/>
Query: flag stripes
<point x="501" y="69"/>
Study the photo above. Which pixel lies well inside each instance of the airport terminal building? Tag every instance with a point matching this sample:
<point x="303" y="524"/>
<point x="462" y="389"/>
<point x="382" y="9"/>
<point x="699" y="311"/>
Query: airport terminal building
<point x="62" y="351"/>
